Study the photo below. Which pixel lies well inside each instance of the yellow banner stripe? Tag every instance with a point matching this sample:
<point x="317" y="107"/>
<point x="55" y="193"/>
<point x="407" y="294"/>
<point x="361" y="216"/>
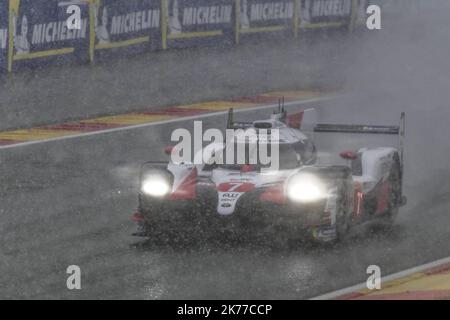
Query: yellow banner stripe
<point x="263" y="29"/>
<point x="42" y="54"/>
<point x="189" y="35"/>
<point x="324" y="25"/>
<point x="125" y="43"/>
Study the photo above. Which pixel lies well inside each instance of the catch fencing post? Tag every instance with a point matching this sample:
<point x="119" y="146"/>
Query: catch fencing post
<point x="237" y="17"/>
<point x="13" y="9"/>
<point x="91" y="31"/>
<point x="164" y="15"/>
<point x="296" y="17"/>
<point x="354" y="11"/>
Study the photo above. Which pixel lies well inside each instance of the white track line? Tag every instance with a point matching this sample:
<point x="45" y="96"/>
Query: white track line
<point x="391" y="277"/>
<point x="143" y="125"/>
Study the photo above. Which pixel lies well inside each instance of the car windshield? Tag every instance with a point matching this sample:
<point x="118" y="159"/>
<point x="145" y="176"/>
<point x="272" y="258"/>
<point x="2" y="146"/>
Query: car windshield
<point x="288" y="158"/>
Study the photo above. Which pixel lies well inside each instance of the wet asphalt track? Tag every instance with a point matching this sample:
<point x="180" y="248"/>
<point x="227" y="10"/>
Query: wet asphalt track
<point x="69" y="202"/>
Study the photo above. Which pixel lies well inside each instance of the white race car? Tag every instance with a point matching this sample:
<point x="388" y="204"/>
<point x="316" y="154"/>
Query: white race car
<point x="321" y="202"/>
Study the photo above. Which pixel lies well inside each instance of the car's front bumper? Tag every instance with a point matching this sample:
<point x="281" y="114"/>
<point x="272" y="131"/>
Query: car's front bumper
<point x="250" y="214"/>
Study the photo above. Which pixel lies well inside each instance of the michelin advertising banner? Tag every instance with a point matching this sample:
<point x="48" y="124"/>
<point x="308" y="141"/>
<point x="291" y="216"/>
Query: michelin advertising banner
<point x="262" y="16"/>
<point x="325" y="13"/>
<point x="198" y="22"/>
<point x="3" y="36"/>
<point x="132" y="24"/>
<point x="38" y="32"/>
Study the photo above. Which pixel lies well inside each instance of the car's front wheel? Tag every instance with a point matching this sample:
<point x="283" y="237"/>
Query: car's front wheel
<point x="338" y="230"/>
<point x="395" y="195"/>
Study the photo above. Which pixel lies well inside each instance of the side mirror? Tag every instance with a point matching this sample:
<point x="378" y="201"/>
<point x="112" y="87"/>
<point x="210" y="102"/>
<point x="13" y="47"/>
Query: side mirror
<point x="349" y="155"/>
<point x="168" y="150"/>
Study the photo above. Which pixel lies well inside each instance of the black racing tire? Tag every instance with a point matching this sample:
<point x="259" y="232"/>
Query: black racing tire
<point x="395" y="192"/>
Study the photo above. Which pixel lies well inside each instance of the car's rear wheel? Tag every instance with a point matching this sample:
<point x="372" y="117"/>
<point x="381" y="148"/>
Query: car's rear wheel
<point x="395" y="192"/>
<point x="395" y="196"/>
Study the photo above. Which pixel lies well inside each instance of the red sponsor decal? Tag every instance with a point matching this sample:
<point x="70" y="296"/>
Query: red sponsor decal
<point x="137" y="217"/>
<point x="236" y="187"/>
<point x="295" y="120"/>
<point x="274" y="194"/>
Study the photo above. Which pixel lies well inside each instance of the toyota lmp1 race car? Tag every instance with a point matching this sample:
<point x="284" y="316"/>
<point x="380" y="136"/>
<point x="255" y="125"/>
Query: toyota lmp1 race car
<point x="301" y="197"/>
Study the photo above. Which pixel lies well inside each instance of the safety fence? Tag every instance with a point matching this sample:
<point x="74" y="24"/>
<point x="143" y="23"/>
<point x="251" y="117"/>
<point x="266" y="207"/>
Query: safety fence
<point x="35" y="32"/>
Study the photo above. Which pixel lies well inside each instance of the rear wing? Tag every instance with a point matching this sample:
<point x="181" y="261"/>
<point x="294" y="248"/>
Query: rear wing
<point x="278" y="114"/>
<point x="368" y="129"/>
<point x="349" y="128"/>
<point x="304" y="120"/>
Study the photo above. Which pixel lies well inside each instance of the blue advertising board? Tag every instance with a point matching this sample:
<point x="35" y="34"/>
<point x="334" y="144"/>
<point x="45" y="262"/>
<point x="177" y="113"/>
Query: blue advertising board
<point x="266" y="16"/>
<point x="134" y="25"/>
<point x="38" y="32"/>
<point x="325" y="13"/>
<point x="190" y="23"/>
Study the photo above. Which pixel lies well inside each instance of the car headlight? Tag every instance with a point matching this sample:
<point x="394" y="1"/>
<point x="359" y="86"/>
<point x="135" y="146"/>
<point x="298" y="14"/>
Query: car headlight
<point x="305" y="187"/>
<point x="155" y="186"/>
